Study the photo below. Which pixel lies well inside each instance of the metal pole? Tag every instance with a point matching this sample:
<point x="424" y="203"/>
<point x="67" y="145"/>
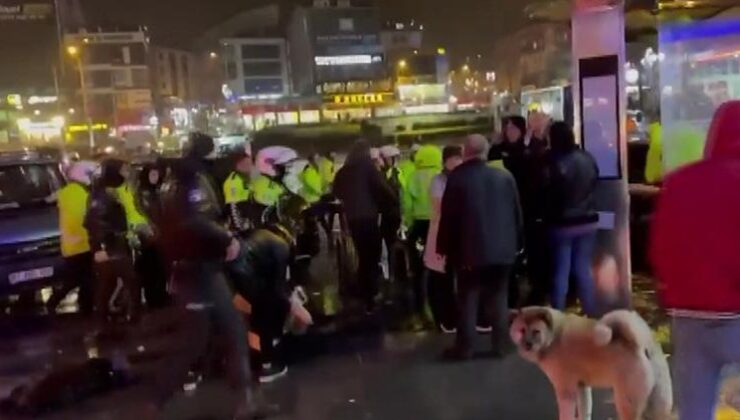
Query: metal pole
<point x="85" y="108"/>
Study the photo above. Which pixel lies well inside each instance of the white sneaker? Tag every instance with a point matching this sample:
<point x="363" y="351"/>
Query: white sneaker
<point x="272" y="372"/>
<point x="444" y="330"/>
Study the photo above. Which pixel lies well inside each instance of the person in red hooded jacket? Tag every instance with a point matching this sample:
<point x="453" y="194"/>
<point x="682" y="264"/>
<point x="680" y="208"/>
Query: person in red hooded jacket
<point x="695" y="252"/>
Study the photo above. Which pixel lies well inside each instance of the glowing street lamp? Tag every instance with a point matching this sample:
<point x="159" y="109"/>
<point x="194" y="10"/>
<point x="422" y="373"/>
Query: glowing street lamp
<point x="465" y="68"/>
<point x="402" y="64"/>
<point x="74" y="52"/>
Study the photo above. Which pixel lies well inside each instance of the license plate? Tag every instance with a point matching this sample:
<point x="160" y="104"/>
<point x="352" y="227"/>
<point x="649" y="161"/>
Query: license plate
<point x="35" y="274"/>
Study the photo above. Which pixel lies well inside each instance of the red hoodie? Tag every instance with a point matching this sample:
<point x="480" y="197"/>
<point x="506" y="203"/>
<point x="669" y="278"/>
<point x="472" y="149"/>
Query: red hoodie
<point x="695" y="244"/>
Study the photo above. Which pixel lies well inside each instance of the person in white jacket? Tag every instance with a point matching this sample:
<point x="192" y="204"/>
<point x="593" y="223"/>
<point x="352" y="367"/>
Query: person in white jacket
<point x="441" y="282"/>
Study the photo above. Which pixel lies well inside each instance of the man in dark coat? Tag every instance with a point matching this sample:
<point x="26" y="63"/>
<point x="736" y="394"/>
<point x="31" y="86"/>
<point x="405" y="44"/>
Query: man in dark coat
<point x="365" y="195"/>
<point x="480" y="233"/>
<point x="199" y="246"/>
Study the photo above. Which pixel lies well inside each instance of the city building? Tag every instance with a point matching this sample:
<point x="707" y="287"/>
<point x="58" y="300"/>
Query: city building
<point x="114" y="66"/>
<point x="535" y="56"/>
<point x="337" y="54"/>
<point x="256" y="68"/>
<point x="174" y="79"/>
<point x="421" y="83"/>
<point x="401" y="39"/>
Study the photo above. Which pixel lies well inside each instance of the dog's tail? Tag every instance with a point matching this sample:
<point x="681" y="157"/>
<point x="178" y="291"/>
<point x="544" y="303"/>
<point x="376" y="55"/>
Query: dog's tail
<point x="626" y="327"/>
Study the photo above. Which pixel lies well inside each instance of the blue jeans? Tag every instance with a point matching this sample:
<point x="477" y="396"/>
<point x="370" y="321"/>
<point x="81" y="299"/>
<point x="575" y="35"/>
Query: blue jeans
<point x="702" y="349"/>
<point x="572" y="252"/>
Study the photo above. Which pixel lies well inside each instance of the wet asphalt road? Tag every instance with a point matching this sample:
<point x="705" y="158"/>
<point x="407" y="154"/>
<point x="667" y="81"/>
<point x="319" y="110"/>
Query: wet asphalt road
<point x="362" y="373"/>
<point x="353" y="368"/>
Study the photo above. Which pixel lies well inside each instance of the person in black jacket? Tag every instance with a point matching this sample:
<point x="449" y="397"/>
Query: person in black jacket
<point x="260" y="276"/>
<point x="480" y="233"/>
<point x="150" y="264"/>
<point x="571" y="216"/>
<point x="197" y="242"/>
<point x="106" y="224"/>
<point x="365" y="195"/>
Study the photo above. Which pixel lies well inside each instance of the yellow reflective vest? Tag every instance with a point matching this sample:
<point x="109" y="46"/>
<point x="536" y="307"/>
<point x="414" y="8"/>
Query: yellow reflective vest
<point x="311" y="185"/>
<point x="654" y="162"/>
<point x="327" y="171"/>
<point x="72" y="205"/>
<point x="266" y="191"/>
<point x="236" y="189"/>
<point x="126" y="197"/>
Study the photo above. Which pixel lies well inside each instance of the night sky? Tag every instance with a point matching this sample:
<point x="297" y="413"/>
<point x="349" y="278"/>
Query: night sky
<point x="464" y="27"/>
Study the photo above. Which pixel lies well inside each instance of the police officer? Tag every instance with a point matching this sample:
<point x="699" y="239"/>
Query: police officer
<point x="199" y="247"/>
<point x="312" y="187"/>
<point x="428" y="163"/>
<point x="107" y="225"/>
<point x="78" y="262"/>
<point x="327" y="170"/>
<point x="267" y="190"/>
<point x="237" y="190"/>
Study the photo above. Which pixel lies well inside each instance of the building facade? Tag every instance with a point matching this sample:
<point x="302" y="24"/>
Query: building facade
<point x="337" y="54"/>
<point x="256" y="68"/>
<point x="401" y="40"/>
<point x="115" y="67"/>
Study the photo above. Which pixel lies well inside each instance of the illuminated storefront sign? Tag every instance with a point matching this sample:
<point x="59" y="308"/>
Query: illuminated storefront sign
<point x="83" y="127"/>
<point x="344" y="60"/>
<point x="14" y="99"/>
<point x="33" y="100"/>
<point x="359" y="98"/>
<point x="35" y="11"/>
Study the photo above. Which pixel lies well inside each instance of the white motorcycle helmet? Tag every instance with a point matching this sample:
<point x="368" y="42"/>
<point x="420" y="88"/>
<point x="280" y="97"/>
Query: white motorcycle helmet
<point x="390" y="151"/>
<point x="82" y="171"/>
<point x="269" y="158"/>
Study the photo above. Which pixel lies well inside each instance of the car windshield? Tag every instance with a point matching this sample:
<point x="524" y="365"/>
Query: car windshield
<point x="27" y="184"/>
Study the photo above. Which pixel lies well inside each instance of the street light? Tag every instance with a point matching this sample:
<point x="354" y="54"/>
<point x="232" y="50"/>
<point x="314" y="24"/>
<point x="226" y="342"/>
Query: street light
<point x="465" y="68"/>
<point x="402" y="64"/>
<point x="74" y="52"/>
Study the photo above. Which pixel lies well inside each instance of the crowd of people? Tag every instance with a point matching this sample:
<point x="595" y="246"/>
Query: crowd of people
<point x="466" y="224"/>
<point x="473" y="220"/>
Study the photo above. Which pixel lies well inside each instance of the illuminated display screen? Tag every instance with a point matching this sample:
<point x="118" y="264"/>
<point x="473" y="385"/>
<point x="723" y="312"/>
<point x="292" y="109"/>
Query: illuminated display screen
<point x="344" y="60"/>
<point x="600" y="113"/>
<point x="699" y="64"/>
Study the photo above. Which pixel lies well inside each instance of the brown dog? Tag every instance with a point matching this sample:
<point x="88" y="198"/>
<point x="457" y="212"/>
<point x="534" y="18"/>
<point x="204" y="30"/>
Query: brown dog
<point x="618" y="351"/>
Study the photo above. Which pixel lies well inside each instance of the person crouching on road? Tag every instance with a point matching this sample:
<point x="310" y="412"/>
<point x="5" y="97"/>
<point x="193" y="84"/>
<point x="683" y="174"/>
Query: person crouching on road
<point x="107" y="226"/>
<point x="78" y="262"/>
<point x="441" y="281"/>
<point x="259" y="275"/>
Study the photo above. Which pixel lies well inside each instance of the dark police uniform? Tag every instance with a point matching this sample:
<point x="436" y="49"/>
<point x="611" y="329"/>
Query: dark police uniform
<point x="196" y="242"/>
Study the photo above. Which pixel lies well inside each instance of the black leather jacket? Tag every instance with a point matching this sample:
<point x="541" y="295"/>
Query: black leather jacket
<point x="191" y="215"/>
<point x="105" y="222"/>
<point x="572" y="179"/>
